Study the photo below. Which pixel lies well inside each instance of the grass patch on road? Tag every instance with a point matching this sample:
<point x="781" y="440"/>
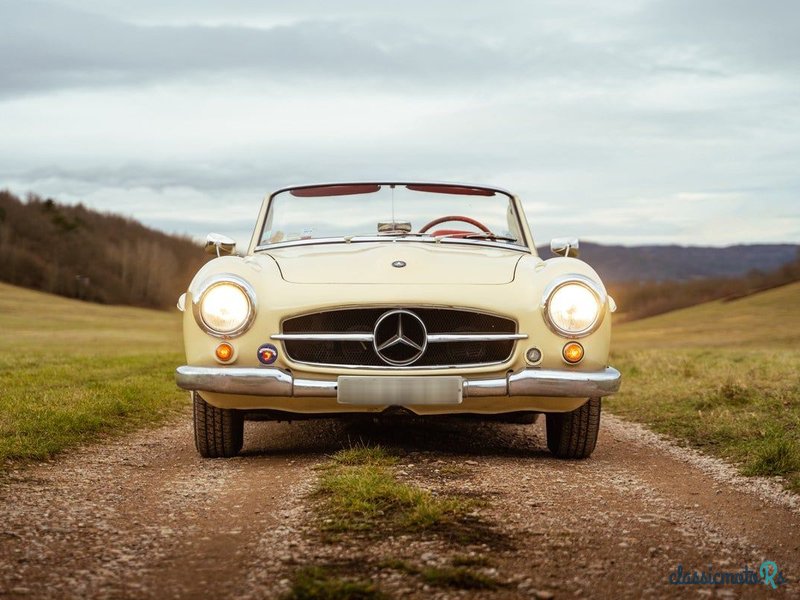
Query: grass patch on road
<point x="360" y="493"/>
<point x="460" y="578"/>
<point x="72" y="371"/>
<point x="366" y="493"/>
<point x="318" y="583"/>
<point x="731" y="390"/>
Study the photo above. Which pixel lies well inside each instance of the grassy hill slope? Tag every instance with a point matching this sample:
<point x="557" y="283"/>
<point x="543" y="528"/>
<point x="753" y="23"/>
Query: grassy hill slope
<point x="721" y="375"/>
<point x="768" y="319"/>
<point x="72" y="371"/>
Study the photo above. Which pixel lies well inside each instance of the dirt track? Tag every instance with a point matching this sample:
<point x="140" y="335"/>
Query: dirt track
<point x="144" y="517"/>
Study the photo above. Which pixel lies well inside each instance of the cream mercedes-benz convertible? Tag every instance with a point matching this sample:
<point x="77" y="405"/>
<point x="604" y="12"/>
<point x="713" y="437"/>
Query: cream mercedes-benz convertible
<point x="359" y="298"/>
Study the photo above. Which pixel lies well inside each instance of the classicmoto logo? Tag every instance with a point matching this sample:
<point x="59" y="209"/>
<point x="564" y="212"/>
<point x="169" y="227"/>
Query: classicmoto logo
<point x="768" y="574"/>
<point x="400" y="337"/>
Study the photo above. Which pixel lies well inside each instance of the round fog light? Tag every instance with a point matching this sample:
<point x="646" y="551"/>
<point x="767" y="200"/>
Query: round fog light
<point x="533" y="355"/>
<point x="267" y="354"/>
<point x="573" y="353"/>
<point x="224" y="352"/>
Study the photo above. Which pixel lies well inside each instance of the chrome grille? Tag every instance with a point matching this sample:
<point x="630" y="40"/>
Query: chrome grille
<point x="488" y="339"/>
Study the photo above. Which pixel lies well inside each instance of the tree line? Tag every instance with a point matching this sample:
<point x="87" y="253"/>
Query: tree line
<point x="81" y="253"/>
<point x="637" y="300"/>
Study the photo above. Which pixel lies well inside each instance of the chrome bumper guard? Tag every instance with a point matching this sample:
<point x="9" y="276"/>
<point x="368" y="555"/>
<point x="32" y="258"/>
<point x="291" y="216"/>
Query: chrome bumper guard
<point x="275" y="382"/>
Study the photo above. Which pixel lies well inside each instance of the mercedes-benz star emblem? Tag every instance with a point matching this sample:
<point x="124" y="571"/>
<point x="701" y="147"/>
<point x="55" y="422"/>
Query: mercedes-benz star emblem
<point x="400" y="337"/>
<point x="399" y="264"/>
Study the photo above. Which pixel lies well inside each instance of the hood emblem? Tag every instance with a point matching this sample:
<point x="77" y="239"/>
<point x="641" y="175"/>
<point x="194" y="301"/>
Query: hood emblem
<point x="400" y="337"/>
<point x="399" y="264"/>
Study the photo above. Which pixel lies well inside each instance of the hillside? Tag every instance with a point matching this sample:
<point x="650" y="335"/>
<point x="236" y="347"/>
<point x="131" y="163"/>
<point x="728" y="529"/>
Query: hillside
<point x="681" y="263"/>
<point x="80" y="253"/>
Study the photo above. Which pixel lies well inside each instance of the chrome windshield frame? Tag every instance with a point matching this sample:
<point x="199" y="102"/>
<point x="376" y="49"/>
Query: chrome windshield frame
<point x="393" y="239"/>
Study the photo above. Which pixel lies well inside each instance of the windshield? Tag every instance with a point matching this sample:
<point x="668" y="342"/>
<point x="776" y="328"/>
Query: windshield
<point x="426" y="211"/>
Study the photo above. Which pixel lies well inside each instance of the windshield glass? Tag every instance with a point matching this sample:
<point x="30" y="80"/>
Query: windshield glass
<point x="391" y="210"/>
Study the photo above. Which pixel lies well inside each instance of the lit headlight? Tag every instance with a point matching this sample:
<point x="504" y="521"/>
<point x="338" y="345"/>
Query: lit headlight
<point x="225" y="306"/>
<point x="573" y="306"/>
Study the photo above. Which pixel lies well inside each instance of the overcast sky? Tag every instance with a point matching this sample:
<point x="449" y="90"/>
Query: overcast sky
<point x="633" y="121"/>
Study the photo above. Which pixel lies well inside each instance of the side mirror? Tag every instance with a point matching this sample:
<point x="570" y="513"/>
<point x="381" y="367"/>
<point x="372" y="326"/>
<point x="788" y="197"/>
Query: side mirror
<point x="219" y="244"/>
<point x="565" y="247"/>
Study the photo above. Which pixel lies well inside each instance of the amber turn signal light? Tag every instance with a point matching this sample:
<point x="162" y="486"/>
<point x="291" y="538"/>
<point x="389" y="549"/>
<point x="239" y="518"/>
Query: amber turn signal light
<point x="224" y="352"/>
<point x="573" y="352"/>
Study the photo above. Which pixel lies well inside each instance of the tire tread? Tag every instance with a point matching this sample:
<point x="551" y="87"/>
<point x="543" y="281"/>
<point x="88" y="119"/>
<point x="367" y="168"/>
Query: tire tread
<point x="574" y="434"/>
<point x="218" y="432"/>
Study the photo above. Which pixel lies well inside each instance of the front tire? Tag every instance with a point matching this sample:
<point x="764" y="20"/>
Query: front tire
<point x="218" y="432"/>
<point x="574" y="434"/>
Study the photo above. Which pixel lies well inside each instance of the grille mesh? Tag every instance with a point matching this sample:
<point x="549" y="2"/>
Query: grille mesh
<point x="362" y="320"/>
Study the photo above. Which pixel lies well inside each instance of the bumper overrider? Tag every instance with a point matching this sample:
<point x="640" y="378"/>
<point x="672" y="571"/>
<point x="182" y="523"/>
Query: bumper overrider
<point x="277" y="382"/>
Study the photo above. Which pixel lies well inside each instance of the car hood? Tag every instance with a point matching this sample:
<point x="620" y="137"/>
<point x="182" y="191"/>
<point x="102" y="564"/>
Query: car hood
<point x="425" y="263"/>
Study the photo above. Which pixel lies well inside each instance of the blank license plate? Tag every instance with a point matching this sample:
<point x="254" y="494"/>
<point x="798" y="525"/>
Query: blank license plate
<point x="399" y="390"/>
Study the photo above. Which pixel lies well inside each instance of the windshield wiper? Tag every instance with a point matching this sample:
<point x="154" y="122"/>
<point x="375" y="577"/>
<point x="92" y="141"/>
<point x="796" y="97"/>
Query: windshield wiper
<point x="483" y="236"/>
<point x="400" y="233"/>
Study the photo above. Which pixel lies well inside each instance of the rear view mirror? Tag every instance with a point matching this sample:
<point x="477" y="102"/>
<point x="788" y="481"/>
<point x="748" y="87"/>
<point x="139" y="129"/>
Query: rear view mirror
<point x="565" y="247"/>
<point x="219" y="244"/>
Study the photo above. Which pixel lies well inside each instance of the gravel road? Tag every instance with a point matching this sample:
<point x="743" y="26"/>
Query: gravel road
<point x="144" y="517"/>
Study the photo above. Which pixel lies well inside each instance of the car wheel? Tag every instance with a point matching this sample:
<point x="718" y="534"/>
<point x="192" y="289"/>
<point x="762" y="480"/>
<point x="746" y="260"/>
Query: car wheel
<point x="218" y="432"/>
<point x="574" y="434"/>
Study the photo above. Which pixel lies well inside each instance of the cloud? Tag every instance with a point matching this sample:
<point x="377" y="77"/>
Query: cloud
<point x="45" y="46"/>
<point x="56" y="45"/>
<point x="736" y="35"/>
<point x="592" y="112"/>
<point x="50" y="45"/>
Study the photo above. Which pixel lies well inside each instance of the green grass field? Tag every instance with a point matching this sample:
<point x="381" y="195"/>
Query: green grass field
<point x="72" y="371"/>
<point x="723" y="376"/>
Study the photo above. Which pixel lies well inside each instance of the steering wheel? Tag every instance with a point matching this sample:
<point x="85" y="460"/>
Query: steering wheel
<point x="460" y="218"/>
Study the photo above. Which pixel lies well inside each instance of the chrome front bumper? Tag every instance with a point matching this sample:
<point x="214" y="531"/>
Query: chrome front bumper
<point x="275" y="382"/>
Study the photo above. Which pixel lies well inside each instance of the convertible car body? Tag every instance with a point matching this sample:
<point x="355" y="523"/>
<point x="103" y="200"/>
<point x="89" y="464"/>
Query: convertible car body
<point x="359" y="298"/>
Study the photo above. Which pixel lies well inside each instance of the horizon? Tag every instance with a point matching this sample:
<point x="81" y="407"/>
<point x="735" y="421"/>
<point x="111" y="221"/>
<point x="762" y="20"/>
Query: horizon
<point x="241" y="244"/>
<point x="629" y="124"/>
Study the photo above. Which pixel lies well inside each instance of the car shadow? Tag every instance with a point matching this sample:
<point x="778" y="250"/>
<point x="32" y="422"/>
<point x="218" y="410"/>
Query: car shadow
<point x="439" y="435"/>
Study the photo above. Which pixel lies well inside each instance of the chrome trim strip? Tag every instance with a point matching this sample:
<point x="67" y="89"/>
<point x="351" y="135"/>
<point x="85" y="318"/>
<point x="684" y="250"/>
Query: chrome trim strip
<point x="325" y="337"/>
<point x="406" y="368"/>
<point x="434" y="338"/>
<point x="385" y="306"/>
<point x="275" y="382"/>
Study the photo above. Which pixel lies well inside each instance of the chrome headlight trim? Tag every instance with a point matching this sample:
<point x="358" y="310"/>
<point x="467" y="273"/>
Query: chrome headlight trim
<point x="224" y="279"/>
<point x="597" y="290"/>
